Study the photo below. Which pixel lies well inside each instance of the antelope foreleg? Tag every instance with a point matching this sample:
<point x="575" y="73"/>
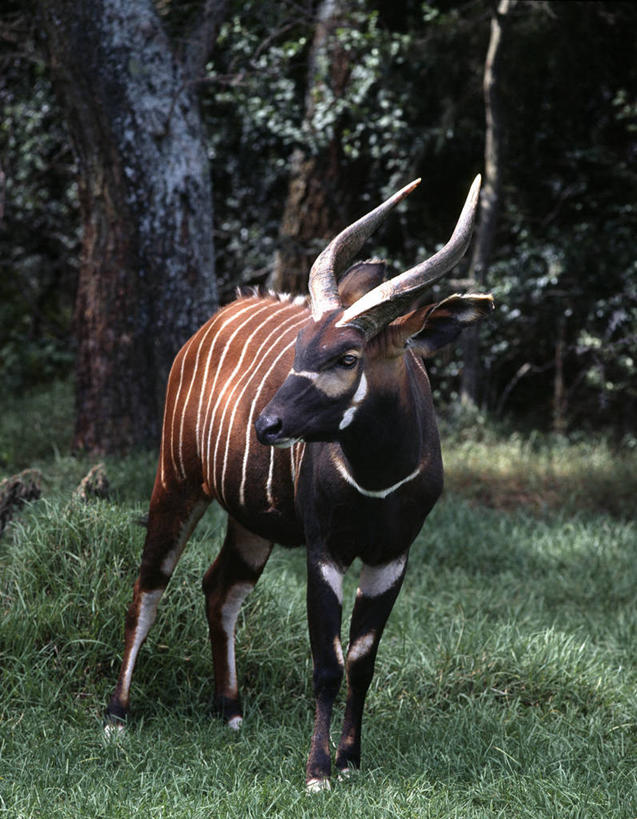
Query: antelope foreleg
<point x="375" y="598"/>
<point x="324" y="603"/>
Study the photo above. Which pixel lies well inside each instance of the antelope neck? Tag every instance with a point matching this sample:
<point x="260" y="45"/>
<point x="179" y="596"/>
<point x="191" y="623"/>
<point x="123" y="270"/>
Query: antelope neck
<point x="385" y="446"/>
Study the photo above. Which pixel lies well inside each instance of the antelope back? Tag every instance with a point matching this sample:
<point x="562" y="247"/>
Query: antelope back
<point x="219" y="383"/>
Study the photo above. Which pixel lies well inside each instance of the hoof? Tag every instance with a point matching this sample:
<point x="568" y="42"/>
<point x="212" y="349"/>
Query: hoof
<point x="114" y="729"/>
<point x="115" y="718"/>
<point x="235" y="723"/>
<point x="317" y="785"/>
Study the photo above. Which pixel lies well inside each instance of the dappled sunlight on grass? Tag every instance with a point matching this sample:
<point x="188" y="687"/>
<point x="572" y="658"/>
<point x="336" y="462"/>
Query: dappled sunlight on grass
<point x="505" y="681"/>
<point x="543" y="475"/>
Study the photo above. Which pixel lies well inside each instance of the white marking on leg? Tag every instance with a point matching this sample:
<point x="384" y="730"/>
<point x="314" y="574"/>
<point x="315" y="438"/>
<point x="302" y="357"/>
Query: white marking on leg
<point x="114" y="729"/>
<point x="359" y="648"/>
<point x="235" y="723"/>
<point x="229" y="613"/>
<point x="333" y="576"/>
<point x="338" y="649"/>
<point x="145" y="618"/>
<point x="317" y="785"/>
<point x="376" y="580"/>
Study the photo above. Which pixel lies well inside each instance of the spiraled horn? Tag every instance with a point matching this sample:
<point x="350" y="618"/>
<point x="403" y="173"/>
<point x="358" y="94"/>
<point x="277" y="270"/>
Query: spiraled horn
<point x="342" y="250"/>
<point x="388" y="300"/>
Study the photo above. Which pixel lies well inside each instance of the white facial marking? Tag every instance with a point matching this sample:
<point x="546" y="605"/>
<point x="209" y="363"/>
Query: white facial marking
<point x="376" y="580"/>
<point x="359" y="395"/>
<point x="348" y="417"/>
<point x="333" y="576"/>
<point x="309" y="374"/>
<point x="361" y="647"/>
<point x="361" y="390"/>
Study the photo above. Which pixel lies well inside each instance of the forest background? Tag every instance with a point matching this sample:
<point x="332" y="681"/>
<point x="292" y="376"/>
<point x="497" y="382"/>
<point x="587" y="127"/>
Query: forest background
<point x="156" y="155"/>
<point x="310" y="114"/>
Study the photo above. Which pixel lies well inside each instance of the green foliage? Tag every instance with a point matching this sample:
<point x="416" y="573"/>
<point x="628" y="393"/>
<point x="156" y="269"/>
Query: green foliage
<point x="39" y="231"/>
<point x="408" y="102"/>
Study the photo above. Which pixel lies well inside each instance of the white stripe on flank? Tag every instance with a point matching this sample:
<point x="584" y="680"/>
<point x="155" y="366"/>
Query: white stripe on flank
<point x="211" y="466"/>
<point x="248" y="372"/>
<point x="268" y="489"/>
<point x="255" y="400"/>
<point x="376" y="580"/>
<point x="211" y="414"/>
<point x="181" y="472"/>
<point x="204" y="379"/>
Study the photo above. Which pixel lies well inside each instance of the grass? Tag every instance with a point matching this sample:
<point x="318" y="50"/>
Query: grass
<point x="505" y="684"/>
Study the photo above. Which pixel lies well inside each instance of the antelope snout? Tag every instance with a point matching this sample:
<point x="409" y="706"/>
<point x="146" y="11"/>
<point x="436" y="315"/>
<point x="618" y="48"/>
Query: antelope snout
<point x="269" y="427"/>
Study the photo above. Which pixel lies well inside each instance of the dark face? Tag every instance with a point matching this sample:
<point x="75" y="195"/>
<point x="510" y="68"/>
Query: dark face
<point x="323" y="390"/>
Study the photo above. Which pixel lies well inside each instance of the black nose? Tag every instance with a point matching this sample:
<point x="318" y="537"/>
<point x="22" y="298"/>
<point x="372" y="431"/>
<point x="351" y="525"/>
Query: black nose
<point x="268" y="428"/>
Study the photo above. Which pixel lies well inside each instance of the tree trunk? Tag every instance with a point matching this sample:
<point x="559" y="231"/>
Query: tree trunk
<point x="316" y="204"/>
<point x="489" y="198"/>
<point x="147" y="271"/>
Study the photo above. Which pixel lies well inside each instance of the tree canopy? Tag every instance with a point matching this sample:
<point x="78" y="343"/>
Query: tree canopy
<point x="406" y="102"/>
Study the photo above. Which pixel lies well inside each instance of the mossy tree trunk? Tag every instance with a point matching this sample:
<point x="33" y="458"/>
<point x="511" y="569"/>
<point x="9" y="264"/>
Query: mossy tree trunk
<point x="147" y="276"/>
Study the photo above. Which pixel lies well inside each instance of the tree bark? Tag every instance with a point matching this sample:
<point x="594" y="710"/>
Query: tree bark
<point x="316" y="204"/>
<point x="147" y="272"/>
<point x="489" y="197"/>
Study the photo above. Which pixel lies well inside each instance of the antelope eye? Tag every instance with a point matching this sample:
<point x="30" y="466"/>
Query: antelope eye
<point x="348" y="361"/>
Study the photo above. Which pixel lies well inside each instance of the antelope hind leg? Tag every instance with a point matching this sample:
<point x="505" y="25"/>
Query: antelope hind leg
<point x="171" y="519"/>
<point x="226" y="584"/>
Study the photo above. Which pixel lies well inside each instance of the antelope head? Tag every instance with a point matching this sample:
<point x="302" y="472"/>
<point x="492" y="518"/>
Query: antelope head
<point x="362" y="327"/>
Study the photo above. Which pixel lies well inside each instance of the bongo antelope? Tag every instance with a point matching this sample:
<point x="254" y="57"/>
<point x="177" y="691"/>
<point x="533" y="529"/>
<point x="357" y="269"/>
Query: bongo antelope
<point x="309" y="425"/>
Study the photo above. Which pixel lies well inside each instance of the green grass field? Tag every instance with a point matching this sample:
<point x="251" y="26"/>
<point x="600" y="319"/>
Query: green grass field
<point x="505" y="682"/>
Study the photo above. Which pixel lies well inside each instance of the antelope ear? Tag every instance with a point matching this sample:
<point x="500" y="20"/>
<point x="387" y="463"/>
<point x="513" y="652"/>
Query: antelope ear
<point x="442" y="323"/>
<point x="359" y="279"/>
